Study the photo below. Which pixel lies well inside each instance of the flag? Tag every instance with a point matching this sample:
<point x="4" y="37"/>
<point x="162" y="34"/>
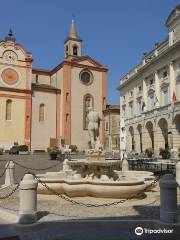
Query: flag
<point x="143" y="106"/>
<point x="174" y="99"/>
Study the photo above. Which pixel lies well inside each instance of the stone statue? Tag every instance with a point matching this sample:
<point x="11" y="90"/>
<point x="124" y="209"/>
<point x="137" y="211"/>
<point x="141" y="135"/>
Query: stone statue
<point x="93" y="129"/>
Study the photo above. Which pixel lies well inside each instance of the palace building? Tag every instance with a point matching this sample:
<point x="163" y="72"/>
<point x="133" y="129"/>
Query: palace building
<point x="150" y="95"/>
<point x="39" y="106"/>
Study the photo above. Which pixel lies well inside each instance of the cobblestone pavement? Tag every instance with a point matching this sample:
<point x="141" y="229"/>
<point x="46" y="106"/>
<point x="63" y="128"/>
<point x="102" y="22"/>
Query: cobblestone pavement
<point x="53" y="208"/>
<point x="38" y="161"/>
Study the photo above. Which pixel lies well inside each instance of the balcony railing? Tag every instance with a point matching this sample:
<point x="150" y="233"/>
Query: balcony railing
<point x="160" y="111"/>
<point x="163" y="47"/>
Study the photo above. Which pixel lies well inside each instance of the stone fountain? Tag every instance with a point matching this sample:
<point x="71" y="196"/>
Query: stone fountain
<point x="95" y="176"/>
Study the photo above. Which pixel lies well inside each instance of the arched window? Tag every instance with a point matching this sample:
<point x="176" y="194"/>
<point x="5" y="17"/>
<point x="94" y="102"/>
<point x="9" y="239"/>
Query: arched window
<point x="75" y="50"/>
<point x="66" y="50"/>
<point x="41" y="112"/>
<point x="8" y="109"/>
<point x="88" y="102"/>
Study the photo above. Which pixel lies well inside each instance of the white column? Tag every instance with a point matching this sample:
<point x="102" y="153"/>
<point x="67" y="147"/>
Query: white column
<point x="134" y="101"/>
<point x="157" y="89"/>
<point x="172" y="79"/>
<point x="178" y="173"/>
<point x="170" y="38"/>
<point x="145" y="93"/>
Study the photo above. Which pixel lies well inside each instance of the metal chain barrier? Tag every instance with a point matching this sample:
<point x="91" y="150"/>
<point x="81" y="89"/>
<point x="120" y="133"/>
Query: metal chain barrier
<point x="10" y="193"/>
<point x="35" y="169"/>
<point x="2" y="174"/>
<point x="66" y="198"/>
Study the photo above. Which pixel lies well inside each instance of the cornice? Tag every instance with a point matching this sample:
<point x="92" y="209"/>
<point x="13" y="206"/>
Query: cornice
<point x="153" y="61"/>
<point x="17" y="90"/>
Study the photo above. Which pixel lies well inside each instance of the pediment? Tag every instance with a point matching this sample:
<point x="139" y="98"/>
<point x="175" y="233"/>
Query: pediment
<point x="86" y="60"/>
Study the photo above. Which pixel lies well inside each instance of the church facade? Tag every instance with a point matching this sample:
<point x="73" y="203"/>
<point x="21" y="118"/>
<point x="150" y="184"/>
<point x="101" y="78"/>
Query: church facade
<point x="40" y="106"/>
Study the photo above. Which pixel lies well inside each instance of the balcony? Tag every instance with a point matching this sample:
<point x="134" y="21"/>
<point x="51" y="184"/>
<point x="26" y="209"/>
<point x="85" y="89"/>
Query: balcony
<point x="163" y="47"/>
<point x="154" y="113"/>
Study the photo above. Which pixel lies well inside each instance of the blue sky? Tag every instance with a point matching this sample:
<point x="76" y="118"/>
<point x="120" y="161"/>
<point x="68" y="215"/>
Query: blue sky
<point x="114" y="32"/>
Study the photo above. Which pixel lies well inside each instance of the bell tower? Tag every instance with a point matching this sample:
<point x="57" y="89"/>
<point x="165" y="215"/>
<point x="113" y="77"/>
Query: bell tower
<point x="73" y="43"/>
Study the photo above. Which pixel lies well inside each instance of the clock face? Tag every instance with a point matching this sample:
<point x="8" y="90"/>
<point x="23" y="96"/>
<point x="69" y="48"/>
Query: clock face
<point x="10" y="56"/>
<point x="10" y="76"/>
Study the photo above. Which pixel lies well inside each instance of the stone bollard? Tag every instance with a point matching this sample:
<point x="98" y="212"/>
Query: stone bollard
<point x="9" y="174"/>
<point x="178" y="173"/>
<point x="28" y="199"/>
<point x="168" y="199"/>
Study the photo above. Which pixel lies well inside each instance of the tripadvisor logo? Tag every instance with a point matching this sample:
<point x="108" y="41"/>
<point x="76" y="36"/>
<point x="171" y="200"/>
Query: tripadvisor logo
<point x="139" y="231"/>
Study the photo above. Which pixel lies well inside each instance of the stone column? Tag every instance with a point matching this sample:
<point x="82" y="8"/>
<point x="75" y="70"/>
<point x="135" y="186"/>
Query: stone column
<point x="178" y="173"/>
<point x="9" y="175"/>
<point x="157" y="141"/>
<point x="168" y="199"/>
<point x="137" y="140"/>
<point x="28" y="199"/>
<point x="145" y="94"/>
<point x="171" y="38"/>
<point x="157" y="89"/>
<point x="172" y="82"/>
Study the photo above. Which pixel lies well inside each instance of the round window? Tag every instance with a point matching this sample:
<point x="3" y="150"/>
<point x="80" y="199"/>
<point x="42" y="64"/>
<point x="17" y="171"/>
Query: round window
<point x="86" y="77"/>
<point x="10" y="76"/>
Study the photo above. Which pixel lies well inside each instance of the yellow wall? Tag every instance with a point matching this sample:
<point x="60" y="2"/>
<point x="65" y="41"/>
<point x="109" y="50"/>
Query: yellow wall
<point x="43" y="131"/>
<point x="12" y="130"/>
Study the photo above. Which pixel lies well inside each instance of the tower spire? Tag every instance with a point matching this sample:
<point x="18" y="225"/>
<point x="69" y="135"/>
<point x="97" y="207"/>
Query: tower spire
<point x="73" y="43"/>
<point x="73" y="32"/>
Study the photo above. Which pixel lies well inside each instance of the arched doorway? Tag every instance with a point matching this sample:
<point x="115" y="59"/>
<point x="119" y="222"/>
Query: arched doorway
<point x="139" y="129"/>
<point x="150" y="136"/>
<point x="163" y="125"/>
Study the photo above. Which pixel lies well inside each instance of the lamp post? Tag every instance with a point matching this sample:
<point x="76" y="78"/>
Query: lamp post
<point x="109" y="132"/>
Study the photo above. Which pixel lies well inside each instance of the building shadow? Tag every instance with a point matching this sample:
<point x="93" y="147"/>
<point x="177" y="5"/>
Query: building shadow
<point x="101" y="228"/>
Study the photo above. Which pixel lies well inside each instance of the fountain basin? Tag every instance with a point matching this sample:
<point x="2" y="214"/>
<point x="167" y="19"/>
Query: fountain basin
<point x="146" y="176"/>
<point x="99" y="189"/>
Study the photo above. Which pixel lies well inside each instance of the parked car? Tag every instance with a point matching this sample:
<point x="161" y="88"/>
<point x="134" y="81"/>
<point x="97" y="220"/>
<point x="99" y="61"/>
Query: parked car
<point x="14" y="150"/>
